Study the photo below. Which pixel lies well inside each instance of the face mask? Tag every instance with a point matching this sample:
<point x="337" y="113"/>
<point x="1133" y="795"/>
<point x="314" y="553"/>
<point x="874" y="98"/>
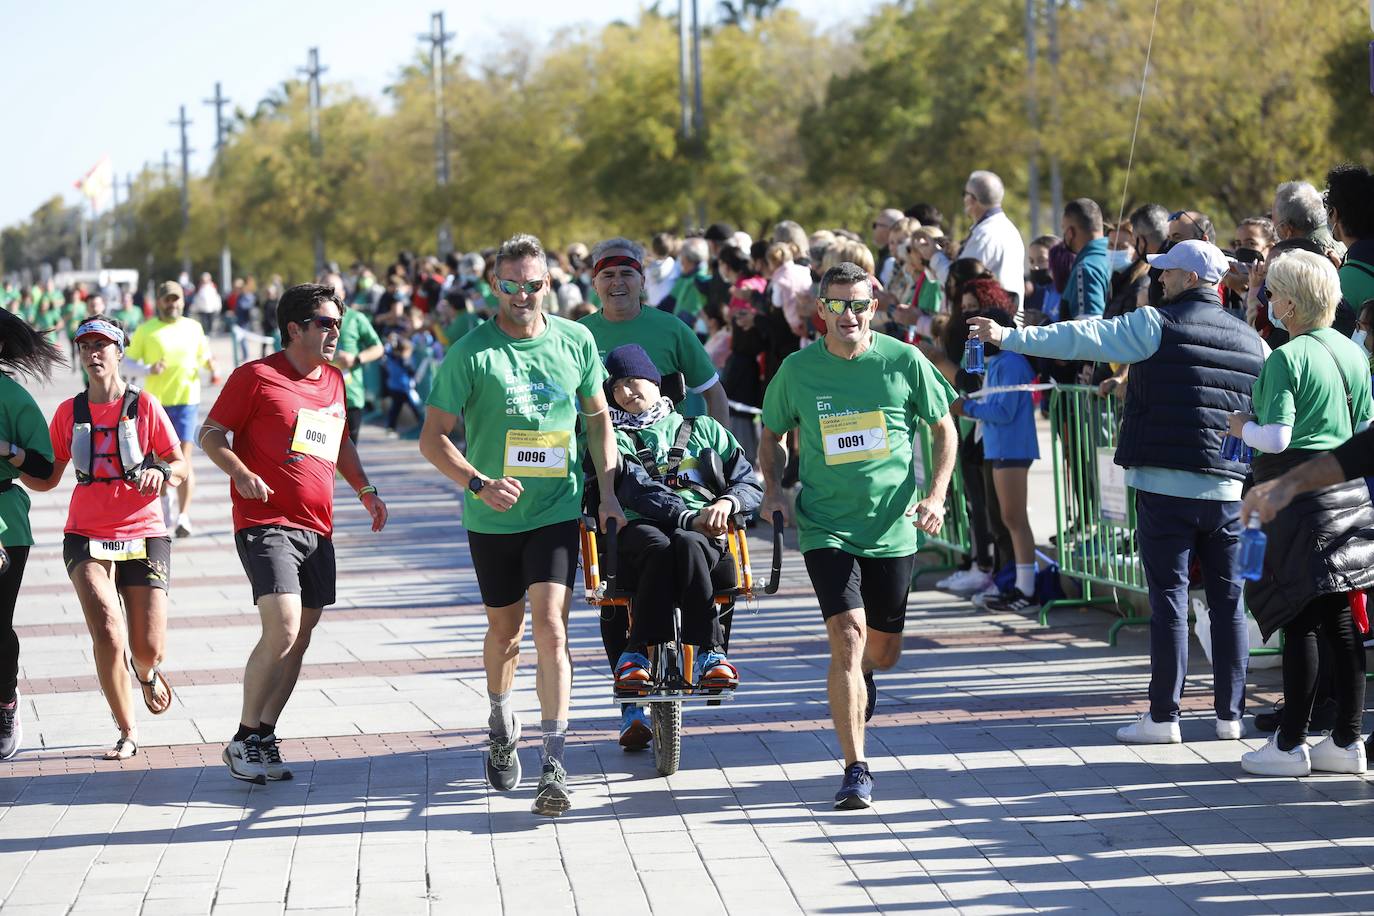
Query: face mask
<point x="1274" y="319"/>
<point x="1358" y="338"/>
<point x="1040" y="276"/>
<point x="1120" y="259"/>
<point x="700" y="327"/>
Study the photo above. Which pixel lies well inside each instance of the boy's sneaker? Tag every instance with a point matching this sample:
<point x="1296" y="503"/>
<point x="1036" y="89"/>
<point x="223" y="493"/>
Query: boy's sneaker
<point x="272" y="764"/>
<point x="713" y="671"/>
<point x="635" y="731"/>
<point x="965" y="581"/>
<point x="503" y="761"/>
<point x="1147" y="731"/>
<point x="1270" y="761"/>
<point x="1329" y="757"/>
<point x="871" y="702"/>
<point x="1014" y="601"/>
<point x="244" y="759"/>
<point x="11" y="731"/>
<point x="632" y="674"/>
<point x="183" y="529"/>
<point x="856" y="791"/>
<point x="553" y="797"/>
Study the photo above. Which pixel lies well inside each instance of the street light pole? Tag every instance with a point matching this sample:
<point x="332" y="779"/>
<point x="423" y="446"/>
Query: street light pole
<point x="226" y="261"/>
<point x="438" y="63"/>
<point x="183" y="122"/>
<point x="313" y="71"/>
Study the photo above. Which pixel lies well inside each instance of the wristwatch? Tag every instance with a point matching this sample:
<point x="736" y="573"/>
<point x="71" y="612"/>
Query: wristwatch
<point x="14" y="452"/>
<point x="476" y="484"/>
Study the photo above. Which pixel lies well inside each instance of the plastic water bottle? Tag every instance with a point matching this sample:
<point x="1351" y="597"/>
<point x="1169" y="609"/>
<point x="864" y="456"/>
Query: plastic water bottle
<point x="973" y="356"/>
<point x="1233" y="448"/>
<point x="1252" y="543"/>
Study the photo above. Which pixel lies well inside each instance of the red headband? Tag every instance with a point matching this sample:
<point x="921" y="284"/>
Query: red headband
<point x="616" y="260"/>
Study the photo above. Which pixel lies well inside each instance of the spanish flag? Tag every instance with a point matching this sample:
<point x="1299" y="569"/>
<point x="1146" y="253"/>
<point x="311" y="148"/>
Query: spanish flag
<point x="97" y="185"/>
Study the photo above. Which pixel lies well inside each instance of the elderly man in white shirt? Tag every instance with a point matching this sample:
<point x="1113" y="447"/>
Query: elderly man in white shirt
<point x="994" y="239"/>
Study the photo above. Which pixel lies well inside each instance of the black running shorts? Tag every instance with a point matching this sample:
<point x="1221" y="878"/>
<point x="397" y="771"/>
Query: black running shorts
<point x="879" y="585"/>
<point x="153" y="570"/>
<point x="508" y="564"/>
<point x="288" y="561"/>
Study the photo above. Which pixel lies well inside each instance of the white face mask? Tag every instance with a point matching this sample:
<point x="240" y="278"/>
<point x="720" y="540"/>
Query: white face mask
<point x="1275" y="320"/>
<point x="1120" y="259"/>
<point x="1358" y="338"/>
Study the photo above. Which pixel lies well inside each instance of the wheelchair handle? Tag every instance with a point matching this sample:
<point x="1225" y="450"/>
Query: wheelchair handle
<point x="776" y="572"/>
<point x="610" y="557"/>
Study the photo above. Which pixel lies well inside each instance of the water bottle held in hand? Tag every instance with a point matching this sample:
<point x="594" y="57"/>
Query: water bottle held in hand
<point x="1252" y="544"/>
<point x="1233" y="448"/>
<point x="973" y="356"/>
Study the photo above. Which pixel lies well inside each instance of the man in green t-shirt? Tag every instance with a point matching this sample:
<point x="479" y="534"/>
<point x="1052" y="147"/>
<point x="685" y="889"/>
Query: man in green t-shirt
<point x="618" y="276"/>
<point x="855" y="398"/>
<point x="358" y="346"/>
<point x="517" y="381"/>
<point x="174" y="349"/>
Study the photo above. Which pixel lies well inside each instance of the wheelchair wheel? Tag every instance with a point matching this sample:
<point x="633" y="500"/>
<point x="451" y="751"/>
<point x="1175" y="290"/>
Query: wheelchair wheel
<point x="666" y="720"/>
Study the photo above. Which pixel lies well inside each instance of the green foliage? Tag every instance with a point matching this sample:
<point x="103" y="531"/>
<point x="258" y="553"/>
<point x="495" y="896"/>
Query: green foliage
<point x="582" y="139"/>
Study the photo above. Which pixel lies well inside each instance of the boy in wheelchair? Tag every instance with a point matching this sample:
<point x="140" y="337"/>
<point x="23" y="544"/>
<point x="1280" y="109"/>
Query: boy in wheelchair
<point x="681" y="480"/>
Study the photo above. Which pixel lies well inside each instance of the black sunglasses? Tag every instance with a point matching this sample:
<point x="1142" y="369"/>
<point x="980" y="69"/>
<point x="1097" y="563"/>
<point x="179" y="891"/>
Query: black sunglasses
<point x="324" y="322"/>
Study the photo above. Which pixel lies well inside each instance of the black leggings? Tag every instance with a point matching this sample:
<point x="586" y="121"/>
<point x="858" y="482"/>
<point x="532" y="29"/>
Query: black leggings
<point x="9" y="641"/>
<point x="1328" y="619"/>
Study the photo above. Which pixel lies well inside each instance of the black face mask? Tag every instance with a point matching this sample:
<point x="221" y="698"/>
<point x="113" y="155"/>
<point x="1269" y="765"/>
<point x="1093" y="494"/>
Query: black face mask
<point x="1040" y="276"/>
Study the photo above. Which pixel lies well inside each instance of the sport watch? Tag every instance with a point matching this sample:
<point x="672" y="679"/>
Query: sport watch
<point x="476" y="484"/>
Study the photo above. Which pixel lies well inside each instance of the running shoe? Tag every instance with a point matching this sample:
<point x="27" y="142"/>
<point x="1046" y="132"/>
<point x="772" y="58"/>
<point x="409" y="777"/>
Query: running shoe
<point x="632" y="673"/>
<point x="871" y="702"/>
<point x="553" y="797"/>
<point x="1014" y="601"/>
<point x="965" y="581"/>
<point x="503" y="761"/>
<point x="244" y="759"/>
<point x="11" y="730"/>
<point x="183" y="529"/>
<point x="635" y="731"/>
<point x="272" y="764"/>
<point x="713" y="671"/>
<point x="857" y="789"/>
<point x="1230" y="729"/>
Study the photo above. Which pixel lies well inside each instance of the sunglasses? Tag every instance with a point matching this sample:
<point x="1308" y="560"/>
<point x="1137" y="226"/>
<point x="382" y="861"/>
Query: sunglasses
<point x="324" y="322"/>
<point x="857" y="306"/>
<point x="511" y="287"/>
<point x="878" y="225"/>
<point x="1183" y="214"/>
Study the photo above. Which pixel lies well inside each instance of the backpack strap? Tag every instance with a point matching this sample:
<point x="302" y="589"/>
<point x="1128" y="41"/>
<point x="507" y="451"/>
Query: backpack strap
<point x="645" y="456"/>
<point x="1349" y="399"/>
<point x="678" y="450"/>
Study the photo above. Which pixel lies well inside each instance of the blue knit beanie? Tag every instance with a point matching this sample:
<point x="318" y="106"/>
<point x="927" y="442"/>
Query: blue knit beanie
<point x="630" y="361"/>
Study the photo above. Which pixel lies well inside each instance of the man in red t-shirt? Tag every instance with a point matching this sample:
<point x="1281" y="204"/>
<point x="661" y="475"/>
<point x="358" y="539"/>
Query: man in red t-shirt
<point x="286" y="414"/>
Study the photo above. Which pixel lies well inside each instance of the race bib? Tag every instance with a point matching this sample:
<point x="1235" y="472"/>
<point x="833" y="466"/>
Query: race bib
<point x="131" y="549"/>
<point x="531" y="453"/>
<point x="854" y="437"/>
<point x="317" y="433"/>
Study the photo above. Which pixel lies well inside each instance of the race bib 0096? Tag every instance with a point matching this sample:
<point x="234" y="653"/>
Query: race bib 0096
<point x="854" y="437"/>
<point x="128" y="549"/>
<point x="532" y="453"/>
<point x="317" y="433"/>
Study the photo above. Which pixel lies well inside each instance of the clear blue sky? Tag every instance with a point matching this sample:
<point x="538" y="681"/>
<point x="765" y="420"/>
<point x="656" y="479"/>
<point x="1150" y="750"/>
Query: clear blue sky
<point x="84" y="78"/>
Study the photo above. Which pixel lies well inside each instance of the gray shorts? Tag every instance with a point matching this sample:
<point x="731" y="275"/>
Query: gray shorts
<point x="288" y="561"/>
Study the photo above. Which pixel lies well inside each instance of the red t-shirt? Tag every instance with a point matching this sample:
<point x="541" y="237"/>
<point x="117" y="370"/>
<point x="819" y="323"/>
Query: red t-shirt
<point x="114" y="510"/>
<point x="260" y="405"/>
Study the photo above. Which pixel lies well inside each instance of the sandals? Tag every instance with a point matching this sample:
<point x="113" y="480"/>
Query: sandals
<point x="149" y="696"/>
<point x="123" y="749"/>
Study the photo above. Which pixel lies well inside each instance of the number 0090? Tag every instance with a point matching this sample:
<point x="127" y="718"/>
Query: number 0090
<point x="314" y="435"/>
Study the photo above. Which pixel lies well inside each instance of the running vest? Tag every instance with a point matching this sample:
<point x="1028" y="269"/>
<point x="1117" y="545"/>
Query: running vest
<point x="129" y="454"/>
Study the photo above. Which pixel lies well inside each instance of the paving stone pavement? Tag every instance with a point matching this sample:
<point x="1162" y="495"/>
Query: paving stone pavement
<point x="999" y="785"/>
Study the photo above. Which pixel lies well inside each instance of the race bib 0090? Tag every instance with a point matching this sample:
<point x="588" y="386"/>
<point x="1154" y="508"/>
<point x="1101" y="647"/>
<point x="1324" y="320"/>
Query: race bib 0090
<point x="317" y="433"/>
<point x="128" y="549"/>
<point x="854" y="437"/>
<point x="532" y="453"/>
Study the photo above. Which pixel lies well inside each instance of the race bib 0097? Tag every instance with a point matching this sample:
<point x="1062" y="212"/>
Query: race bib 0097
<point x="532" y="453"/>
<point x="854" y="437"/>
<point x="128" y="549"/>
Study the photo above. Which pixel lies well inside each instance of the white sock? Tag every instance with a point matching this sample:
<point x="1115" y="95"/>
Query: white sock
<point x="1025" y="579"/>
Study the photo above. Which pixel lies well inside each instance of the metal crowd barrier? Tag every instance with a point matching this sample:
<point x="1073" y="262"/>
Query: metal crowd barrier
<point x="955" y="539"/>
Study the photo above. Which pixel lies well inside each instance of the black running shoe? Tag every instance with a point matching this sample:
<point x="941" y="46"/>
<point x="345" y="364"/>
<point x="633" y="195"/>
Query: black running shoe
<point x="1014" y="601"/>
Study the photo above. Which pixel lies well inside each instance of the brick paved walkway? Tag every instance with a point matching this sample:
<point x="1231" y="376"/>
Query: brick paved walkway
<point x="999" y="785"/>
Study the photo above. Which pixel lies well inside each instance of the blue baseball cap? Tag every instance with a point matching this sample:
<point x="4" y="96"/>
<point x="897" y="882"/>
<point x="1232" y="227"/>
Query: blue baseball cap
<point x="1194" y="255"/>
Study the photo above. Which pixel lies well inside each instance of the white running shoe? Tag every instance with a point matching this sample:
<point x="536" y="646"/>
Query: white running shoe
<point x="965" y="581"/>
<point x="1327" y="757"/>
<point x="183" y="529"/>
<point x="1147" y="731"/>
<point x="1268" y="760"/>
<point x="981" y="598"/>
<point x="1230" y="729"/>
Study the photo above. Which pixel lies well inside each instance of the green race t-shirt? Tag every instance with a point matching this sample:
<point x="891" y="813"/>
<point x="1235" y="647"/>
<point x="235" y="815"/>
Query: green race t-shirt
<point x="519" y="401"/>
<point x="671" y="345"/>
<point x="856" y="420"/>
<point x="181" y="346"/>
<point x="22" y="423"/>
<point x="1300" y="386"/>
<point x="461" y="326"/>
<point x="658" y="438"/>
<point x="356" y="334"/>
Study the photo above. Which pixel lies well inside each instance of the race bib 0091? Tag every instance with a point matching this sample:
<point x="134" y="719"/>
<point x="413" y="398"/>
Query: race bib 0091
<point x="128" y="549"/>
<point x="317" y="433"/>
<point x="854" y="437"/>
<point x="532" y="453"/>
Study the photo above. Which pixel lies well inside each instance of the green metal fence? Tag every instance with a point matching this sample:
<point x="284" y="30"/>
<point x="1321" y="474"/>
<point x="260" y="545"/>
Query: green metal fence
<point x="955" y="539"/>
